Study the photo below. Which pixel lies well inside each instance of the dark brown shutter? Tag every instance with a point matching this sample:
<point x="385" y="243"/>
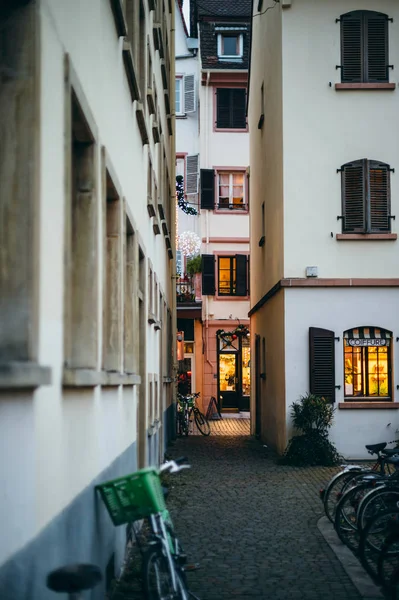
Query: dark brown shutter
<point x="238" y="119"/>
<point x="230" y="112"/>
<point x="249" y="275"/>
<point x="208" y="274"/>
<point x="379" y="197"/>
<point x="241" y="275"/>
<point x="223" y="102"/>
<point x="351" y="47"/>
<point x="376" y="47"/>
<point x="322" y="363"/>
<point x="207" y="189"/>
<point x="354" y="196"/>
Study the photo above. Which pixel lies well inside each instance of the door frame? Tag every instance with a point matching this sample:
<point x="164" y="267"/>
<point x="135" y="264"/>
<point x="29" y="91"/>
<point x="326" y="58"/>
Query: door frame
<point x="238" y="353"/>
<point x="258" y="384"/>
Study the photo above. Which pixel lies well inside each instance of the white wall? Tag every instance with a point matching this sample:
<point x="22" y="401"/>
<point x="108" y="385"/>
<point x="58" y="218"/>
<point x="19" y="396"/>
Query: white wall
<point x="219" y="148"/>
<point x="55" y="441"/>
<point x="325" y="128"/>
<point x="338" y="310"/>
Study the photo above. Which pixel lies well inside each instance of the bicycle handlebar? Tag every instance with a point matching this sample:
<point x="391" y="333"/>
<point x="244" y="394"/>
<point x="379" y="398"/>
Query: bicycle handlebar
<point x="174" y="466"/>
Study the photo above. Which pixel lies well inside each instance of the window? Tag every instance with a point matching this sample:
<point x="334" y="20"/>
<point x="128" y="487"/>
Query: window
<point x="20" y="200"/>
<point x="230" y="46"/>
<point x="366" y="199"/>
<point x="231" y="191"/>
<point x="81" y="285"/>
<point x="185" y="99"/>
<point x="232" y="275"/>
<point x="230" y="108"/>
<point x="112" y="326"/>
<point x="364" y="47"/>
<point x="130" y="321"/>
<point x="179" y="99"/>
<point x="367" y="363"/>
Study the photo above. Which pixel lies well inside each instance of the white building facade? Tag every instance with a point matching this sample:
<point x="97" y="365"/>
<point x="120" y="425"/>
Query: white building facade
<point x="325" y="281"/>
<point x="217" y="133"/>
<point x="86" y="274"/>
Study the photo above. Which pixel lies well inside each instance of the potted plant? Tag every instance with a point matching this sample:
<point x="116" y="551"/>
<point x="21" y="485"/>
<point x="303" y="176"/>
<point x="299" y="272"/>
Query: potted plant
<point x="193" y="265"/>
<point x="193" y="268"/>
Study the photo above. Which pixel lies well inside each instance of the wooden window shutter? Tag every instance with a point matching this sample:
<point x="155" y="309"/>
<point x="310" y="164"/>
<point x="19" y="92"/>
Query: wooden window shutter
<point x="249" y="275"/>
<point x="364" y="47"/>
<point x="208" y="274"/>
<point x="190" y="104"/>
<point x="322" y="363"/>
<point x="241" y="275"/>
<point x="192" y="174"/>
<point x="208" y="189"/>
<point x="354" y="196"/>
<point x="379" y="197"/>
<point x="223" y="99"/>
<point x="376" y="47"/>
<point x="351" y="47"/>
<point x="238" y="109"/>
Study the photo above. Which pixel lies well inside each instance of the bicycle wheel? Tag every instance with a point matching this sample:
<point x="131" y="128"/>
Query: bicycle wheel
<point x="394" y="585"/>
<point x="186" y="423"/>
<point x="388" y="560"/>
<point x="345" y="516"/>
<point x="333" y="491"/>
<point x="372" y="539"/>
<point x="179" y="426"/>
<point x="157" y="578"/>
<point x="377" y="500"/>
<point x="202" y="422"/>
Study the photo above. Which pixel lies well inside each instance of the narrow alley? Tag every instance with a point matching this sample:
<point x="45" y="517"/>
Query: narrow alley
<point x="252" y="524"/>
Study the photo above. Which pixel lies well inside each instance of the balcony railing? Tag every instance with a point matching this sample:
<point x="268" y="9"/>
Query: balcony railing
<point x="185" y="290"/>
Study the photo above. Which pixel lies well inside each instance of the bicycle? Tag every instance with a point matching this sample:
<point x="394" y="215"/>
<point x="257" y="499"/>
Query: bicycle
<point x="139" y="496"/>
<point x="339" y="484"/>
<point x="353" y="509"/>
<point x="187" y="413"/>
<point x="373" y="540"/>
<point x="74" y="579"/>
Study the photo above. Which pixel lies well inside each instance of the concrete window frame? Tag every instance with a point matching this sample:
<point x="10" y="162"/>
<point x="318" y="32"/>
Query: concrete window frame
<point x="20" y="202"/>
<point x="81" y="243"/>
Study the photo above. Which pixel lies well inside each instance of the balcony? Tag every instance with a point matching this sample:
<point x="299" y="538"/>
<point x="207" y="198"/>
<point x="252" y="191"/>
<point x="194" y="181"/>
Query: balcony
<point x="189" y="300"/>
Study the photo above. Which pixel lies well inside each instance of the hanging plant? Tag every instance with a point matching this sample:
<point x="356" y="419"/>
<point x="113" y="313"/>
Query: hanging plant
<point x="181" y="201"/>
<point x="228" y="336"/>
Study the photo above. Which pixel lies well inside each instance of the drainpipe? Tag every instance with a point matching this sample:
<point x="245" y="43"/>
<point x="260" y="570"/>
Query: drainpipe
<point x="208" y="75"/>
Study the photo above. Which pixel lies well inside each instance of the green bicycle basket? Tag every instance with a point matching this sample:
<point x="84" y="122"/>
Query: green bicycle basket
<point x="133" y="497"/>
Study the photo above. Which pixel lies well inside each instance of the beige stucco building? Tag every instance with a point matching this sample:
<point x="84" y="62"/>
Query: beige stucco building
<point x="213" y="135"/>
<point x="87" y="301"/>
<point x="324" y="252"/>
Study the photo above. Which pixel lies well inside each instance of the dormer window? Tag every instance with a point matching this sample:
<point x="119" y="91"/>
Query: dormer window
<point x="230" y="46"/>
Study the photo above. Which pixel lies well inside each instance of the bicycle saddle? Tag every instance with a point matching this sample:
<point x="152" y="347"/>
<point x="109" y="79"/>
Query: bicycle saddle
<point x="74" y="578"/>
<point x="376" y="447"/>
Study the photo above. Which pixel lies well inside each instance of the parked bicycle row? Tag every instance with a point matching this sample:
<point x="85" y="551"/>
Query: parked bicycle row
<point x="363" y="504"/>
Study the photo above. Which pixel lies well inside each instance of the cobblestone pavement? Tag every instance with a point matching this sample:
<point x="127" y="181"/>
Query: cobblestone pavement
<point x="228" y="426"/>
<point x="252" y="524"/>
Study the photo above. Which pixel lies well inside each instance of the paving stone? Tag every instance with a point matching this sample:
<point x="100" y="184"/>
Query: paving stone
<point x="251" y="522"/>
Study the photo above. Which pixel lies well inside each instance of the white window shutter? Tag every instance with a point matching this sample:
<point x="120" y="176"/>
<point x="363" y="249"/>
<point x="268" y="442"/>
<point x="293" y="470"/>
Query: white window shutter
<point x="190" y="104"/>
<point x="192" y="174"/>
